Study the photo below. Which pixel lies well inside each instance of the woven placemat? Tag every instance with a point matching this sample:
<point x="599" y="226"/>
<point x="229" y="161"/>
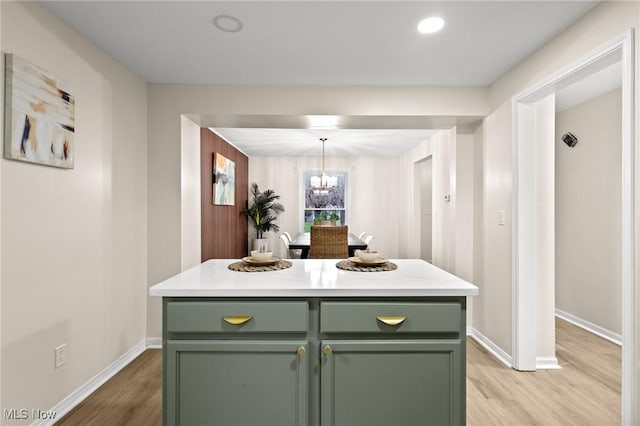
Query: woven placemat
<point x="348" y="265"/>
<point x="245" y="267"/>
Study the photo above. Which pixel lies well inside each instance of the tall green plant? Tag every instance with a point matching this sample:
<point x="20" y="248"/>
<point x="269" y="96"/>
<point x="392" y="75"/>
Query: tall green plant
<point x="264" y="210"/>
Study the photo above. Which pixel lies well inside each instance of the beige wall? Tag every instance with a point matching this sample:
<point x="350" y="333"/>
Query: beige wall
<point x="167" y="102"/>
<point x="492" y="308"/>
<point x="73" y="241"/>
<point x="380" y="198"/>
<point x="588" y="188"/>
<point x="190" y="182"/>
<point x="444" y="185"/>
<point x="464" y="213"/>
<point x="372" y="208"/>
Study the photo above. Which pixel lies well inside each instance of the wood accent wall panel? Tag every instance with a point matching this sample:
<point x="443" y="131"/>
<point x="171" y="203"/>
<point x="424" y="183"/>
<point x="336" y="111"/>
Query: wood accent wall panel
<point x="224" y="228"/>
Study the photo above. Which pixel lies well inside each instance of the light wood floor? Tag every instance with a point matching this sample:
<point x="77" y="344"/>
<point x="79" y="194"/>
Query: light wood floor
<point x="585" y="392"/>
<point x="131" y="397"/>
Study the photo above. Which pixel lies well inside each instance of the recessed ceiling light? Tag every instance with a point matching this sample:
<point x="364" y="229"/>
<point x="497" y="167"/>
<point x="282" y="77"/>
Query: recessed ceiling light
<point x="431" y="25"/>
<point x="323" y="121"/>
<point x="227" y="23"/>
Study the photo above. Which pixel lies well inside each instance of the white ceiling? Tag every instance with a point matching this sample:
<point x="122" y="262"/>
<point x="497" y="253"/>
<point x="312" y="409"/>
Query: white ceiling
<point x="319" y="42"/>
<point x="340" y="142"/>
<point x="327" y="42"/>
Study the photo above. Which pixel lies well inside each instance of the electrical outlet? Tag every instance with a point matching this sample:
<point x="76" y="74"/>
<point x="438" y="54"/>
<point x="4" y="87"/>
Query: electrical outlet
<point x="501" y="217"/>
<point x="60" y="355"/>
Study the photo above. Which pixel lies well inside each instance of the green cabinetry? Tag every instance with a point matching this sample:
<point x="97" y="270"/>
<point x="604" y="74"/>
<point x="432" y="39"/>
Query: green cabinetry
<point x="410" y="382"/>
<point x="237" y="383"/>
<point x="399" y="363"/>
<point x="314" y="361"/>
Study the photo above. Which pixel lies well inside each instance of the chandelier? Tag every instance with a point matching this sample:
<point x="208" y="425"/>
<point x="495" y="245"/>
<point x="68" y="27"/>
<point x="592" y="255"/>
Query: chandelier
<point x="323" y="183"/>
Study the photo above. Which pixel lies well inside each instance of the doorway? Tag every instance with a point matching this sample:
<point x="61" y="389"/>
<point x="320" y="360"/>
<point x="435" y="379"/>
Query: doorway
<point x="530" y="217"/>
<point x="588" y="166"/>
<point x="423" y="177"/>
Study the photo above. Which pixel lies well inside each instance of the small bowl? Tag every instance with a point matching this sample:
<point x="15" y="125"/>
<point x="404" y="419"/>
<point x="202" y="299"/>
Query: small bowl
<point x="368" y="257"/>
<point x="262" y="256"/>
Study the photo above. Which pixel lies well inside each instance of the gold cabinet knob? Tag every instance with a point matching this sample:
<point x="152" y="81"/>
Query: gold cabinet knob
<point x="391" y="319"/>
<point x="237" y="319"/>
<point x="327" y="350"/>
<point x="301" y="351"/>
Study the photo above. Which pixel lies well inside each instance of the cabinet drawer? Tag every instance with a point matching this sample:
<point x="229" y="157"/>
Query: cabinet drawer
<point x="236" y="317"/>
<point x="388" y="317"/>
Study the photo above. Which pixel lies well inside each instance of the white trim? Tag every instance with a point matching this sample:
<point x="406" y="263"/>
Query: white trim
<point x="619" y="48"/>
<point x="630" y="347"/>
<point x="590" y="327"/>
<point x="491" y="347"/>
<point x="547" y="363"/>
<point x="523" y="238"/>
<point x="80" y="394"/>
<point x="153" y="342"/>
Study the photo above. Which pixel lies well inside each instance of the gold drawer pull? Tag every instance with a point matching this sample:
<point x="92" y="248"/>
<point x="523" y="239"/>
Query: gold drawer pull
<point x="237" y="320"/>
<point x="391" y="319"/>
<point x="301" y="351"/>
<point x="327" y="350"/>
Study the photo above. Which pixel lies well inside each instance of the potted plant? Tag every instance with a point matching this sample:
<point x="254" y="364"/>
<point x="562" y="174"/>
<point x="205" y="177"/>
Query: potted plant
<point x="262" y="213"/>
<point x="323" y="218"/>
<point x="334" y="218"/>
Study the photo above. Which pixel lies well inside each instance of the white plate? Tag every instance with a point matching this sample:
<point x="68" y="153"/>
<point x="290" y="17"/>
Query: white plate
<point x="376" y="262"/>
<point x="251" y="261"/>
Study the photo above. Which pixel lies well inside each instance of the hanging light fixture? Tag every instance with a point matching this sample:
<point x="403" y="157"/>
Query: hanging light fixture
<point x="323" y="183"/>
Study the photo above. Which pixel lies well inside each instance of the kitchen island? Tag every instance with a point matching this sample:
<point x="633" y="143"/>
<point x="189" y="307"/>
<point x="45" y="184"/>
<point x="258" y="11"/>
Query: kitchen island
<point x="314" y="345"/>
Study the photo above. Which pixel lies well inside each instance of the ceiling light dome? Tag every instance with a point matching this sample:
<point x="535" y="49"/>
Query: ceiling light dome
<point x="431" y="25"/>
<point x="227" y="23"/>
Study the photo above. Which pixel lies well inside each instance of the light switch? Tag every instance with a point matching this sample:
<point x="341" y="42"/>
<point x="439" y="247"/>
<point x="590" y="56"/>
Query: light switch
<point x="501" y="217"/>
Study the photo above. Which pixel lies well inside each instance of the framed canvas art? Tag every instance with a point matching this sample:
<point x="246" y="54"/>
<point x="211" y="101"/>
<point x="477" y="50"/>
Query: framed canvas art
<point x="224" y="180"/>
<point x="39" y="116"/>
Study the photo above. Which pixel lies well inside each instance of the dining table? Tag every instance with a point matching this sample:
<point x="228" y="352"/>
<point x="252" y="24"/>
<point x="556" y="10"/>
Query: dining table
<point x="302" y="242"/>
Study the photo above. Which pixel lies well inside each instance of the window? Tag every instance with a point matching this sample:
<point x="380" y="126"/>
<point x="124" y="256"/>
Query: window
<point x="321" y="204"/>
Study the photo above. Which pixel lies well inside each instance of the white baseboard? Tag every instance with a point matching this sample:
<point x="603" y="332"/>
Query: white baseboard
<point x="491" y="347"/>
<point x="590" y="327"/>
<point x="547" y="363"/>
<point x="153" y="342"/>
<point x="80" y="394"/>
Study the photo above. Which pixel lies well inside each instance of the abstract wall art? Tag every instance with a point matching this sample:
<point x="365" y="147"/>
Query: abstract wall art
<point x="39" y="116"/>
<point x="224" y="180"/>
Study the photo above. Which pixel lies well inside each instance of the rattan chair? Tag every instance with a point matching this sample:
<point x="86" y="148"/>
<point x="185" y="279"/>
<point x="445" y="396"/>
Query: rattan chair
<point x="329" y="242"/>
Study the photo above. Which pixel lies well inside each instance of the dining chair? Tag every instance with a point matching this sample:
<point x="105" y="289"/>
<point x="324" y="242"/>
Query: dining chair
<point x="290" y="253"/>
<point x="329" y="242"/>
<point x="367" y="239"/>
<point x="362" y="235"/>
<point x="288" y="235"/>
<point x="285" y="242"/>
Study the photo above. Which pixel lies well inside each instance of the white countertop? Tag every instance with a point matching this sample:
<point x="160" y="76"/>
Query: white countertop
<point x="314" y="278"/>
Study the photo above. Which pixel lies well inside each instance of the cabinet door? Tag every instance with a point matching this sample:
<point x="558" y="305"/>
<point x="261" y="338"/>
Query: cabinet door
<point x="236" y="383"/>
<point x="398" y="382"/>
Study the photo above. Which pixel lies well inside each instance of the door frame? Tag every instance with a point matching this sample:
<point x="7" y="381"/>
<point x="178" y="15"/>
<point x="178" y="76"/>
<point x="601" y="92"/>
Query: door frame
<point x="525" y="216"/>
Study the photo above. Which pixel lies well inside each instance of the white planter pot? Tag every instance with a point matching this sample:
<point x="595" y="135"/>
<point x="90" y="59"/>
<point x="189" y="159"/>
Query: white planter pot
<point x="257" y="242"/>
